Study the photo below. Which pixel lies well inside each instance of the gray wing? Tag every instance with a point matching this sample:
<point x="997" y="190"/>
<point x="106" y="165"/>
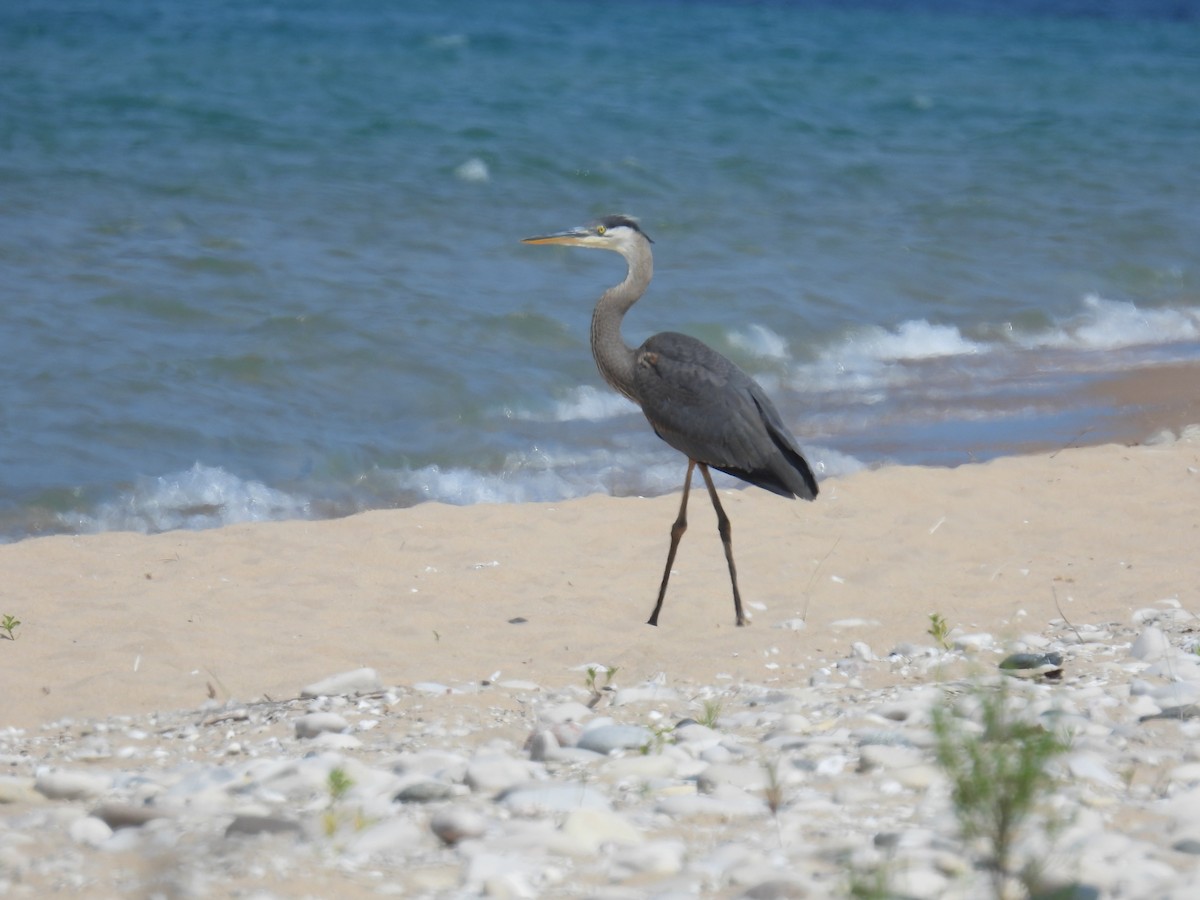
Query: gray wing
<point x="707" y="408"/>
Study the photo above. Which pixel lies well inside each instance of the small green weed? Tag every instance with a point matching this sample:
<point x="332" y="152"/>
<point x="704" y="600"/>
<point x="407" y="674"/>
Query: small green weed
<point x="590" y="682"/>
<point x="996" y="774"/>
<point x="939" y="630"/>
<point x="9" y="625"/>
<point x="339" y="783"/>
<point x="774" y="793"/>
<point x="712" y="713"/>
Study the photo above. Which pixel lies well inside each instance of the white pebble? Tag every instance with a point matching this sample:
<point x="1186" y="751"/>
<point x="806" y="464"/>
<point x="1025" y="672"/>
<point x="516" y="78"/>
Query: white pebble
<point x="89" y="831"/>
<point x="60" y="784"/>
<point x="311" y="725"/>
<point x="1150" y="645"/>
<point x="356" y="681"/>
<point x="456" y="823"/>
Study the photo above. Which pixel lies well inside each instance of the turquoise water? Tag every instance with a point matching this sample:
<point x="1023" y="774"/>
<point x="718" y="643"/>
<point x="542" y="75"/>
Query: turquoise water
<point x="264" y="261"/>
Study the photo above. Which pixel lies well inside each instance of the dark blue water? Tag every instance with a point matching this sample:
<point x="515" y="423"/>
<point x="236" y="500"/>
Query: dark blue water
<point x="263" y="261"/>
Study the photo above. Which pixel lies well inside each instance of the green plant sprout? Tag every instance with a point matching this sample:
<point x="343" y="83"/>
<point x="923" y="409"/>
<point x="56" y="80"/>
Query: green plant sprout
<point x="939" y="630"/>
<point x="339" y="783"/>
<point x="996" y="775"/>
<point x="9" y="625"/>
<point x="712" y="713"/>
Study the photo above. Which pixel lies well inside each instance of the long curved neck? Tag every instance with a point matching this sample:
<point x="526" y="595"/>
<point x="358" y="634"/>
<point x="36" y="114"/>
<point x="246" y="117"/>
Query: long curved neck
<point x="615" y="360"/>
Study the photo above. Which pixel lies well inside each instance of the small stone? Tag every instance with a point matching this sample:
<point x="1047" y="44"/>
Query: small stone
<point x="89" y="831"/>
<point x="716" y="775"/>
<point x="593" y="828"/>
<point x="334" y="740"/>
<point x="1189" y="844"/>
<point x="1187" y="711"/>
<point x="543" y="745"/>
<point x="434" y="688"/>
<point x="776" y="889"/>
<point x="57" y="784"/>
<point x="559" y="713"/>
<point x="722" y="804"/>
<point x="309" y="726"/>
<point x="1033" y="665"/>
<point x="357" y="681"/>
<point x="645" y="693"/>
<point x="125" y="815"/>
<point x="1188" y="773"/>
<point x="552" y="796"/>
<point x="425" y="792"/>
<point x="490" y="774"/>
<point x="1091" y="766"/>
<point x="1150" y="645"/>
<point x="862" y="651"/>
<point x="253" y="825"/>
<point x="456" y="824"/>
<point x="973" y="643"/>
<point x="19" y="790"/>
<point x="695" y="733"/>
<point x="643" y="768"/>
<point x="650" y="858"/>
<point x="884" y="756"/>
<point x="516" y="684"/>
<point x="388" y="836"/>
<point x="917" y="778"/>
<point x="607" y="738"/>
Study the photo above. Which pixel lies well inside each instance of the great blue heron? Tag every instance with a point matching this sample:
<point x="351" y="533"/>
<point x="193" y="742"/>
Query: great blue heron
<point x="694" y="398"/>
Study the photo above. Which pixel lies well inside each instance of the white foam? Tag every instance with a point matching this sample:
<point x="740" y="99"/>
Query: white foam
<point x="583" y="403"/>
<point x="760" y="341"/>
<point x="864" y="361"/>
<point x="912" y="340"/>
<point x="474" y="170"/>
<point x="1112" y="324"/>
<point x="199" y="497"/>
<point x="544" y="477"/>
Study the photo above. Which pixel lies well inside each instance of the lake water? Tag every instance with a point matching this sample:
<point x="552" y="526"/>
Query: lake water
<point x="263" y="261"/>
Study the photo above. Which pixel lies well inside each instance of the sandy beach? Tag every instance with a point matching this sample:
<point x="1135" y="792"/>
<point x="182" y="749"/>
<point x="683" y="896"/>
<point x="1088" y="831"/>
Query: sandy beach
<point x="481" y="622"/>
<point x="125" y="623"/>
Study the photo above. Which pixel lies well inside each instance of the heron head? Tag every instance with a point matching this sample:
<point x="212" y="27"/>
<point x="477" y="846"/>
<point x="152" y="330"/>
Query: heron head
<point x="619" y="233"/>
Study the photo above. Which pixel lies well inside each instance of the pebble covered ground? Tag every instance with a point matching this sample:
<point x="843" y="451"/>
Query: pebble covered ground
<point x="821" y="781"/>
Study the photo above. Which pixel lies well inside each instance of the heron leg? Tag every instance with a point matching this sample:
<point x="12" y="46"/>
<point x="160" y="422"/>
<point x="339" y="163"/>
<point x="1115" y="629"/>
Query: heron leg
<point x="726" y="532"/>
<point x="677" y="531"/>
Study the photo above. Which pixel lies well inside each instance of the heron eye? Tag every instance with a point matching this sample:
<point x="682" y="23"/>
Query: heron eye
<point x="600" y="229"/>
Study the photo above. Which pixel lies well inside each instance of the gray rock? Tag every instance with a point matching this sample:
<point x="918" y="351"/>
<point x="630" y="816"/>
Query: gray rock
<point x="425" y="792"/>
<point x="552" y="796"/>
<point x="126" y="815"/>
<point x="14" y="789"/>
<point x="387" y="836"/>
<point x="608" y="738"/>
<point x="311" y="725"/>
<point x="650" y="858"/>
<point x="455" y="824"/>
<point x="645" y="693"/>
<point x="776" y="889"/>
<point x="885" y="756"/>
<point x="1150" y="645"/>
<point x="594" y="828"/>
<point x="89" y="831"/>
<point x="543" y="745"/>
<point x="717" y="775"/>
<point x="559" y="713"/>
<point x="62" y="784"/>
<point x="249" y="825"/>
<point x="490" y="774"/>
<point x="357" y="681"/>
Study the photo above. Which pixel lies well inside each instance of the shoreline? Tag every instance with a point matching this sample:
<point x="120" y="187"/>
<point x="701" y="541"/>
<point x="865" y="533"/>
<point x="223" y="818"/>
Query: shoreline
<point x="124" y="622"/>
